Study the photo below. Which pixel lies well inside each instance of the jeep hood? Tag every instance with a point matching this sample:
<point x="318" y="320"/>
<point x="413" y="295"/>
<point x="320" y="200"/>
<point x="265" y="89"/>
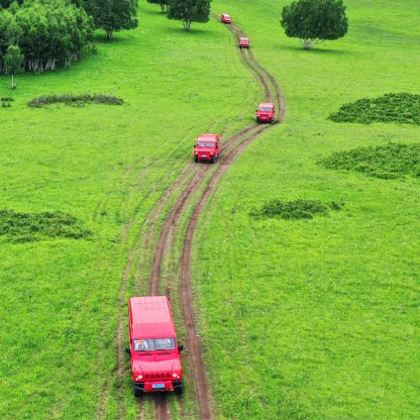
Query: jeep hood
<point x="153" y="364"/>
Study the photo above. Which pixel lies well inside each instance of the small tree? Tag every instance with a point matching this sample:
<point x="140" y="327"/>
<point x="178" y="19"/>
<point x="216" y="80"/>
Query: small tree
<point x="314" y="20"/>
<point x="13" y="61"/>
<point x="162" y="3"/>
<point x="112" y="15"/>
<point x="189" y="11"/>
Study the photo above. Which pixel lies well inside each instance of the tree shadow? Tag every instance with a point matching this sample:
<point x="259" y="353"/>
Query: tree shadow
<point x="194" y="31"/>
<point x="100" y="38"/>
<point x="316" y="50"/>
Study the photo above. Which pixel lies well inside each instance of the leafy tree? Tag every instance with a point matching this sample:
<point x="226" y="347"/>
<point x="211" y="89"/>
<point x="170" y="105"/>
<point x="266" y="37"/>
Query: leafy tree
<point x="189" y="11"/>
<point x="13" y="60"/>
<point x="49" y="33"/>
<point x="6" y="3"/>
<point x="162" y="3"/>
<point x="314" y="20"/>
<point x="112" y="15"/>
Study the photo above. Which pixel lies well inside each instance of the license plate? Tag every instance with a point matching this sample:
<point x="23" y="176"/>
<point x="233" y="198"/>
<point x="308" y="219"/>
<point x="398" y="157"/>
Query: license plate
<point x="158" y="386"/>
<point x="204" y="156"/>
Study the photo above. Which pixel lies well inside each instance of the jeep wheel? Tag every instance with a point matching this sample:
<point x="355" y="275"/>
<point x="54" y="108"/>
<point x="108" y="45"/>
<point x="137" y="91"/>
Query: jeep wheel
<point x="138" y="393"/>
<point x="196" y="159"/>
<point x="179" y="390"/>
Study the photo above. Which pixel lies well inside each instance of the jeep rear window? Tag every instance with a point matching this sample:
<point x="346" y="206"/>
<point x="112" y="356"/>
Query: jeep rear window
<point x="206" y="144"/>
<point x="152" y="344"/>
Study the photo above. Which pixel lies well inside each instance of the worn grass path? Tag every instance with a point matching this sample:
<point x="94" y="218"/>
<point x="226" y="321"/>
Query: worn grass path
<point x="62" y="299"/>
<point x="316" y="318"/>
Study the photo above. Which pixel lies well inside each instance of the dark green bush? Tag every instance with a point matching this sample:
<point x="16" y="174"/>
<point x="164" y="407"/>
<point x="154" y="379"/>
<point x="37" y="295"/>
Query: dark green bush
<point x="297" y="209"/>
<point x="28" y="227"/>
<point x="393" y="160"/>
<point x="6" y="102"/>
<point x="75" y="100"/>
<point x="392" y="107"/>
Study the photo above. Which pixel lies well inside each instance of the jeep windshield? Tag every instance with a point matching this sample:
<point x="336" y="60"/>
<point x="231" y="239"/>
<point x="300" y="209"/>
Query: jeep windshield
<point x="206" y="144"/>
<point x="152" y="344"/>
<point x="266" y="109"/>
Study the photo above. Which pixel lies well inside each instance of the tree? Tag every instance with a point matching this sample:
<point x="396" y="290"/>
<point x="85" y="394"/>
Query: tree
<point x="49" y="33"/>
<point x="162" y="3"/>
<point x="314" y="20"/>
<point x="189" y="11"/>
<point x="13" y="60"/>
<point x="112" y="15"/>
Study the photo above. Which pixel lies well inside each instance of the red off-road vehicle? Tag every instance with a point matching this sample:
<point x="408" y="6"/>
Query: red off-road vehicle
<point x="266" y="112"/>
<point x="154" y="352"/>
<point x="207" y="148"/>
<point x="225" y="18"/>
<point x="243" y="42"/>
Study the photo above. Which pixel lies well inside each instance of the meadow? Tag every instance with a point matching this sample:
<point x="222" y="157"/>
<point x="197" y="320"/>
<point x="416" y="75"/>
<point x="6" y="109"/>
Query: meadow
<point x="105" y="166"/>
<point x="316" y="318"/>
<point x="299" y="318"/>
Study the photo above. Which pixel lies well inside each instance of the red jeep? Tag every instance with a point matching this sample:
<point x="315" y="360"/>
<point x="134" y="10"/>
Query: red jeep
<point x="154" y="352"/>
<point x="225" y="18"/>
<point x="243" y="42"/>
<point x="266" y="113"/>
<point x="207" y="148"/>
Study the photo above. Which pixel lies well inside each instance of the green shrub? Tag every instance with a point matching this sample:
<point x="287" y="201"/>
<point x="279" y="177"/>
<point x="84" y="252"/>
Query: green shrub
<point x="28" y="227"/>
<point x="75" y="100"/>
<point x="6" y="102"/>
<point x="297" y="209"/>
<point x="392" y="107"/>
<point x="393" y="160"/>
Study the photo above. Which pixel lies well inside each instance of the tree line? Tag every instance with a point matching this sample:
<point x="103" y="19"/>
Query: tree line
<point x="46" y="34"/>
<point x="40" y="35"/>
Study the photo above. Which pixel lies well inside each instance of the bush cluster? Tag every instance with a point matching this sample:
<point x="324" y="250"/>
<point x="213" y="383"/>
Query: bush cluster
<point x="297" y="209"/>
<point x="6" y="101"/>
<point x="393" y="160"/>
<point x="29" y="227"/>
<point x="75" y="100"/>
<point x="392" y="107"/>
<point x="48" y="33"/>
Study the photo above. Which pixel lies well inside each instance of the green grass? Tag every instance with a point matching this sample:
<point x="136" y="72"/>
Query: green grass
<point x="316" y="318"/>
<point x="302" y="318"/>
<point x="403" y="108"/>
<point x="27" y="227"/>
<point x="294" y="210"/>
<point x="75" y="100"/>
<point x="106" y="167"/>
<point x="393" y="160"/>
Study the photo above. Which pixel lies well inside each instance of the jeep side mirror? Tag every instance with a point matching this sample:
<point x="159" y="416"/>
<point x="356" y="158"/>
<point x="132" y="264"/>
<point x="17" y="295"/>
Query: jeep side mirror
<point x="128" y="351"/>
<point x="180" y="347"/>
<point x="195" y="146"/>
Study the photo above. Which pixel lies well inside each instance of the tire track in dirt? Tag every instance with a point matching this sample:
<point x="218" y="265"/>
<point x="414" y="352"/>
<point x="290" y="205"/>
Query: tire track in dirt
<point x="134" y="258"/>
<point x="195" y="176"/>
<point x="199" y="181"/>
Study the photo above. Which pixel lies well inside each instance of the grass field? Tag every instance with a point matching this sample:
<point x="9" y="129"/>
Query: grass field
<point x="300" y="318"/>
<point x="316" y="318"/>
<point x="106" y="166"/>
